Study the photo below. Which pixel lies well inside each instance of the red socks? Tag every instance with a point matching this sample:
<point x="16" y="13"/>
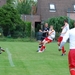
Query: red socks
<point x="43" y="47"/>
<point x="63" y="50"/>
<point x="72" y="72"/>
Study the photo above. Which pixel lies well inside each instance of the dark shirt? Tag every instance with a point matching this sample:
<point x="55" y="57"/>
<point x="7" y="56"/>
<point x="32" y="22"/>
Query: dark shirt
<point x="45" y="34"/>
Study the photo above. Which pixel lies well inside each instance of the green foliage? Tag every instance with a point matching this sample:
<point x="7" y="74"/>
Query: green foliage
<point x="28" y="29"/>
<point x="24" y="7"/>
<point x="24" y="31"/>
<point x="58" y="22"/>
<point x="10" y="21"/>
<point x="26" y="39"/>
<point x="9" y="1"/>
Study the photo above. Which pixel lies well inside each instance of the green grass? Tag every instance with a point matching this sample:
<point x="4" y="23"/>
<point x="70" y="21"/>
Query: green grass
<point x="28" y="62"/>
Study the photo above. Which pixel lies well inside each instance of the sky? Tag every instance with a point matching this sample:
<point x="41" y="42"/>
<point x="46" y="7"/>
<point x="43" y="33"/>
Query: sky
<point x="35" y="0"/>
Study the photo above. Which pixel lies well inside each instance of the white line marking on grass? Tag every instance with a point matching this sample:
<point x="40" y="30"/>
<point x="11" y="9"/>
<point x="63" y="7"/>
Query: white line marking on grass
<point x="10" y="58"/>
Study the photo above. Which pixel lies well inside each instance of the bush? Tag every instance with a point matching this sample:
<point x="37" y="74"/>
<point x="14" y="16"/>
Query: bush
<point x="57" y="35"/>
<point x="28" y="29"/>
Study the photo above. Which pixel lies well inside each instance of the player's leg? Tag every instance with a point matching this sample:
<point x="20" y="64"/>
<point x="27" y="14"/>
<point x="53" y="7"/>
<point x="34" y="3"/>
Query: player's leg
<point x="71" y="59"/>
<point x="63" y="50"/>
<point x="44" y="45"/>
<point x="40" y="45"/>
<point x="59" y="41"/>
<point x="45" y="41"/>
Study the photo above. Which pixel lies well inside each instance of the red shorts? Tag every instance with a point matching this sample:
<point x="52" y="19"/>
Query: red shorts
<point x="60" y="39"/>
<point x="71" y="58"/>
<point x="48" y="40"/>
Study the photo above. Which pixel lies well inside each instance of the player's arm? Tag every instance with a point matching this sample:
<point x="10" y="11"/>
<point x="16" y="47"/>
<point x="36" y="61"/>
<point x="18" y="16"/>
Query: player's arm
<point x="64" y="32"/>
<point x="50" y="32"/>
<point x="45" y="31"/>
<point x="65" y="38"/>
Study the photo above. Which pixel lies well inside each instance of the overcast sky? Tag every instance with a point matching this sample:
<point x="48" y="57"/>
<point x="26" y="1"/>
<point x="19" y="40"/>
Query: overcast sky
<point x="35" y="0"/>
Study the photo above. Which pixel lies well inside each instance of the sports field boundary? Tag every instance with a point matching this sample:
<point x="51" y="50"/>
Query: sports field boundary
<point x="10" y="58"/>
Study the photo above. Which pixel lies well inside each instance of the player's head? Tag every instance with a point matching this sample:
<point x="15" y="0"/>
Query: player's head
<point x="46" y="24"/>
<point x="65" y="21"/>
<point x="51" y="27"/>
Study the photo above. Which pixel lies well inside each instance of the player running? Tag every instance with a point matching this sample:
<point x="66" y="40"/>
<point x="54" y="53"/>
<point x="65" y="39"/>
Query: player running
<point x="51" y="36"/>
<point x="71" y="56"/>
<point x="65" y="28"/>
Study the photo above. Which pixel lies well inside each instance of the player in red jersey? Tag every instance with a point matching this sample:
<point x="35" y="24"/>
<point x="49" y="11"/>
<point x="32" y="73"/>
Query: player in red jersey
<point x="65" y="28"/>
<point x="51" y="36"/>
<point x="71" y="56"/>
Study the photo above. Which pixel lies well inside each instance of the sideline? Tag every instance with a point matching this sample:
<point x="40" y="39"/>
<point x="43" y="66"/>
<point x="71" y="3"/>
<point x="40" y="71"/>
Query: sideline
<point x="10" y="58"/>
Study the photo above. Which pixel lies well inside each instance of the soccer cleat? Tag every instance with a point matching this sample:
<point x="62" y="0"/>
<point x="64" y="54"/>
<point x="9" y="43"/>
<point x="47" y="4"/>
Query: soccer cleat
<point x="37" y="51"/>
<point x="62" y="54"/>
<point x="59" y="49"/>
<point x="40" y="51"/>
<point x="2" y="50"/>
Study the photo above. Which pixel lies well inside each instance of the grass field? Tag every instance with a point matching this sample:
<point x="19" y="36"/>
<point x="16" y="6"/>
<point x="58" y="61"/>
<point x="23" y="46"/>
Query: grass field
<point x="28" y="62"/>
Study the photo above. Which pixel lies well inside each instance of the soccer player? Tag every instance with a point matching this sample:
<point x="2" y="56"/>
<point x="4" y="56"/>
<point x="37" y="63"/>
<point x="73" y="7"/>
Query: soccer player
<point x="44" y="35"/>
<point x="51" y="36"/>
<point x="71" y="56"/>
<point x="1" y="50"/>
<point x="65" y="28"/>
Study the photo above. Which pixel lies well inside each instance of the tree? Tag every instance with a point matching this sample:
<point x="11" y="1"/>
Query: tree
<point x="24" y="7"/>
<point x="10" y="20"/>
<point x="9" y="1"/>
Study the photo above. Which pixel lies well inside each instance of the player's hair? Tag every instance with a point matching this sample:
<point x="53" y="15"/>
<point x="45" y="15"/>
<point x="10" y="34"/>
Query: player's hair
<point x="66" y="20"/>
<point x="46" y="23"/>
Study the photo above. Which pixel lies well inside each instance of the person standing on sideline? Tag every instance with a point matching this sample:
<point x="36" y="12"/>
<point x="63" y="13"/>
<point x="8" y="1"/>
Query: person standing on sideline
<point x="65" y="28"/>
<point x="71" y="56"/>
